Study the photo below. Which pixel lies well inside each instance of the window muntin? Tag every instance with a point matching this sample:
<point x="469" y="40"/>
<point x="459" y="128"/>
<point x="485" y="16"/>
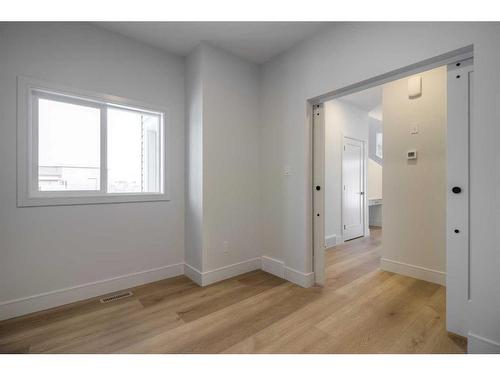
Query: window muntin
<point x="63" y="149"/>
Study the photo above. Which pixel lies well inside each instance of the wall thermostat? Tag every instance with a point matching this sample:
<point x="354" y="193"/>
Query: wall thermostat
<point x="411" y="154"/>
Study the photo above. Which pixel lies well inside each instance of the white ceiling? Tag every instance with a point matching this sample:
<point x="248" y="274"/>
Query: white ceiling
<point x="367" y="100"/>
<point x="255" y="41"/>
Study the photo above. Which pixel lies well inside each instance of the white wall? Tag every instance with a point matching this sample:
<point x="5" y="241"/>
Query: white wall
<point x="374" y="180"/>
<point x="341" y="120"/>
<point x="343" y="55"/>
<point x="231" y="158"/>
<point x="230" y="142"/>
<point x="43" y="249"/>
<point x="414" y="208"/>
<point x="194" y="160"/>
<point x="374" y="127"/>
<point x="374" y="190"/>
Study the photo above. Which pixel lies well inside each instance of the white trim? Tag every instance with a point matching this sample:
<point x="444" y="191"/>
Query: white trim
<point x="460" y="112"/>
<point x="481" y="345"/>
<point x="26" y="151"/>
<point x="267" y="264"/>
<point x="277" y="267"/>
<point x="193" y="273"/>
<point x="330" y="241"/>
<point x="47" y="300"/>
<point x="406" y="71"/>
<point x="273" y="266"/>
<point x="318" y="209"/>
<point x="222" y="273"/>
<point x="305" y="280"/>
<point x="417" y="272"/>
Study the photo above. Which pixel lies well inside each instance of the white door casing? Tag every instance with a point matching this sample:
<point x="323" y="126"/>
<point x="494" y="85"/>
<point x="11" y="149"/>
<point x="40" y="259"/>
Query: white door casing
<point x="460" y="105"/>
<point x="319" y="193"/>
<point x="353" y="196"/>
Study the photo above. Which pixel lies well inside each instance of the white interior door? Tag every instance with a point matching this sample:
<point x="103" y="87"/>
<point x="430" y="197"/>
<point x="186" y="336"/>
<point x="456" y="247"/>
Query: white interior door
<point x="319" y="193"/>
<point x="460" y="106"/>
<point x="352" y="188"/>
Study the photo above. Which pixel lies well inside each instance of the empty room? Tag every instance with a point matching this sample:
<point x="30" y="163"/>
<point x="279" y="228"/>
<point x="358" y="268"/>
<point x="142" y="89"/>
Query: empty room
<point x="257" y="187"/>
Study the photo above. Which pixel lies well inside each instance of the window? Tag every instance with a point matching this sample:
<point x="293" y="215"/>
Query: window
<point x="68" y="146"/>
<point x="80" y="148"/>
<point x="133" y="151"/>
<point x="378" y="145"/>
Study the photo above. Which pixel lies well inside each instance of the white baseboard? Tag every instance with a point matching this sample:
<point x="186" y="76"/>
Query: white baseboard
<point x="193" y="273"/>
<point x="417" y="272"/>
<point x="305" y="280"/>
<point x="273" y="266"/>
<point x="331" y="240"/>
<point x="481" y="345"/>
<point x="47" y="300"/>
<point x="278" y="268"/>
<point x="222" y="273"/>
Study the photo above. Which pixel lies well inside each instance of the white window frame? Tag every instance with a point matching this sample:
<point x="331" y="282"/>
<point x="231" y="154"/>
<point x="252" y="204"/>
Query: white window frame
<point x="27" y="146"/>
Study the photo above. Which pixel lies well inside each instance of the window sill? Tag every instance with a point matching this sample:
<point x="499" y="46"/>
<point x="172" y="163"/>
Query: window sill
<point x="95" y="199"/>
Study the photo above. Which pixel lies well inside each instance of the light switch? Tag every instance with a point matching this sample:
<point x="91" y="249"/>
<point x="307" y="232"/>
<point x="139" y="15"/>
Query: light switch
<point x="414" y="129"/>
<point x="411" y="154"/>
<point x="287" y="171"/>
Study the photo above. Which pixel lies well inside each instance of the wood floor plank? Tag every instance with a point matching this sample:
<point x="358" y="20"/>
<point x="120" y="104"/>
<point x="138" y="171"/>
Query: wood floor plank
<point x="232" y="296"/>
<point x="42" y="318"/>
<point x="304" y="318"/>
<point x="361" y="309"/>
<point x="218" y="331"/>
<point x="72" y="327"/>
<point x="116" y="334"/>
<point x="375" y="323"/>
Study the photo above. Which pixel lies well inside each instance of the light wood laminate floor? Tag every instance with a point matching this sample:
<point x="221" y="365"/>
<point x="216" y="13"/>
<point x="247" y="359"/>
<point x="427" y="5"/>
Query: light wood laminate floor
<point x="360" y="310"/>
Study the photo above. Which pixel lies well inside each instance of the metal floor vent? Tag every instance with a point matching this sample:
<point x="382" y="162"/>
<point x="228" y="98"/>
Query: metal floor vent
<point x="115" y="297"/>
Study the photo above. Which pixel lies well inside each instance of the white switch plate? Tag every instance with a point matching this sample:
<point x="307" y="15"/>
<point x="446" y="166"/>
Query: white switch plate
<point x="287" y="171"/>
<point x="414" y="129"/>
<point x="411" y="154"/>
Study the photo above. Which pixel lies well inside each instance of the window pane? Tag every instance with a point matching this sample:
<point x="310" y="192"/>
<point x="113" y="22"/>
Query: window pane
<point x="68" y="146"/>
<point x="133" y="152"/>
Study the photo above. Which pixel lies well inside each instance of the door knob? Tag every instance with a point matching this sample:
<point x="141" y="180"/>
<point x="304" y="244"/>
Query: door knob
<point x="456" y="190"/>
<point x="318" y="188"/>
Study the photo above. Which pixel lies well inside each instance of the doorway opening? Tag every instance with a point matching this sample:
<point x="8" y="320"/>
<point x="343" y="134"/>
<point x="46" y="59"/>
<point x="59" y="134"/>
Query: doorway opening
<point x="390" y="176"/>
<point x="353" y="165"/>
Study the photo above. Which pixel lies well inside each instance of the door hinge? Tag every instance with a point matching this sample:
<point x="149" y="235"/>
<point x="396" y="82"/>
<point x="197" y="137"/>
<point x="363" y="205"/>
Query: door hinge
<point x="344" y="226"/>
